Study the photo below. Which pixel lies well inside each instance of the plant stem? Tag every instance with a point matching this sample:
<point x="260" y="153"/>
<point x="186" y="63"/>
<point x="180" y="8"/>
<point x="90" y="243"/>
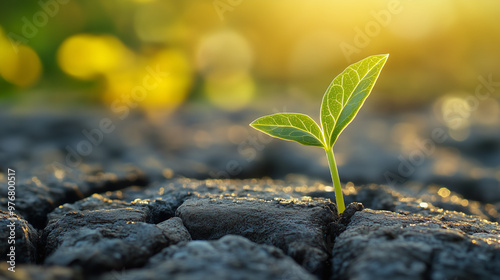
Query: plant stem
<point x="339" y="197"/>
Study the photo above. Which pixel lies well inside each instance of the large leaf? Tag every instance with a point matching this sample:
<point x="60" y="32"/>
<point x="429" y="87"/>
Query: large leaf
<point x="290" y="126"/>
<point x="347" y="93"/>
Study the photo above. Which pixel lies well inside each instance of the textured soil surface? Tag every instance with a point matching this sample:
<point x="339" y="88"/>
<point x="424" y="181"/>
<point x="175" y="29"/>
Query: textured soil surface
<point x="146" y="205"/>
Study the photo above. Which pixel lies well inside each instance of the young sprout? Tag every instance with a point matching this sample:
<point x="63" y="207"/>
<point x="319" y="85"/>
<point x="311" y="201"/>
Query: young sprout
<point x="341" y="102"/>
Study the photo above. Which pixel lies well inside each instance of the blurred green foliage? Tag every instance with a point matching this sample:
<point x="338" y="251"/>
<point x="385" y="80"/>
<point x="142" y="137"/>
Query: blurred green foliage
<point x="235" y="54"/>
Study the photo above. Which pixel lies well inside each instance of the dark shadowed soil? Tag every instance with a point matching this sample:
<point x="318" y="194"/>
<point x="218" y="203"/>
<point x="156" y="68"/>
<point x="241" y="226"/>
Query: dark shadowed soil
<point x="154" y="201"/>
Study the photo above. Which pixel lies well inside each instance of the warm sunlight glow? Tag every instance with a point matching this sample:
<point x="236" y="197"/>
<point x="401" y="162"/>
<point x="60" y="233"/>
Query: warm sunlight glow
<point x="85" y="56"/>
<point x="19" y="64"/>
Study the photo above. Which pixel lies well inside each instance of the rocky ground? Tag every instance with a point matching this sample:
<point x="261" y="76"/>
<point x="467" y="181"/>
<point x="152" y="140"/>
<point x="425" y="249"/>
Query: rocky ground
<point x="152" y="200"/>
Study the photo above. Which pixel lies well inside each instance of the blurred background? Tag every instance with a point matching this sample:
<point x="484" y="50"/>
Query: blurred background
<point x="199" y="71"/>
<point x="234" y="54"/>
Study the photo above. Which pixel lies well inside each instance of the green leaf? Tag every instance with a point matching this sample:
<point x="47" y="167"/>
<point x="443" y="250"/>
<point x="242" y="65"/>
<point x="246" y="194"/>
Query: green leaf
<point x="347" y="93"/>
<point x="291" y="126"/>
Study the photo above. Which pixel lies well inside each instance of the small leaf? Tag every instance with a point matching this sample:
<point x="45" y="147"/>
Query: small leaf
<point x="291" y="126"/>
<point x="347" y="93"/>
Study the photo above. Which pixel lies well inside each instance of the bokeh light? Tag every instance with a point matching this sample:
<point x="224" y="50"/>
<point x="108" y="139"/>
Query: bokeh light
<point x="224" y="59"/>
<point x="19" y="64"/>
<point x="229" y="91"/>
<point x="160" y="81"/>
<point x="86" y="56"/>
<point x="252" y="52"/>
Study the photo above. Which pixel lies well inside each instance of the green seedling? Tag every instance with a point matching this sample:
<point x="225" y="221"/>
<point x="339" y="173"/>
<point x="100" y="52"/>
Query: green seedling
<point x="341" y="102"/>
